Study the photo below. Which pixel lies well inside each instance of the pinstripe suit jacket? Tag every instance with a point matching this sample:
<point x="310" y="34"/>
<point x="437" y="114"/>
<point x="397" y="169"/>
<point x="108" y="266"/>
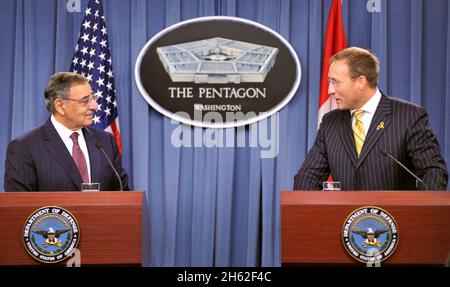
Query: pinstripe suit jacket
<point x="39" y="161"/>
<point x="406" y="135"/>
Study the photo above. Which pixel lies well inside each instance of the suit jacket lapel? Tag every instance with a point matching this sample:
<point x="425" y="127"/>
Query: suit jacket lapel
<point x="94" y="156"/>
<point x="56" y="147"/>
<point x="379" y="123"/>
<point x="346" y="133"/>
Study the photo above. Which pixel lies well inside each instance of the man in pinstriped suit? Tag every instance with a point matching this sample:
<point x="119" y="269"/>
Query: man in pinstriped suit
<point x="353" y="149"/>
<point x="44" y="158"/>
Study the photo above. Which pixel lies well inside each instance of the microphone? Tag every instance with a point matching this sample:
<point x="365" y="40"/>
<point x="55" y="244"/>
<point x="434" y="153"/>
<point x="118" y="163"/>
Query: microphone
<point x="405" y="168"/>
<point x="100" y="147"/>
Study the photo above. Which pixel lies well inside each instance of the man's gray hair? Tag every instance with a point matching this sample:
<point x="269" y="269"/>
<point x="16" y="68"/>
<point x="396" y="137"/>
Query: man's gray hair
<point x="58" y="87"/>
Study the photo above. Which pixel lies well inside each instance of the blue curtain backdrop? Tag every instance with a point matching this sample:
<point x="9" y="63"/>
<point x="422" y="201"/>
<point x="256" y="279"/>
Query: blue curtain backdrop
<point x="219" y="206"/>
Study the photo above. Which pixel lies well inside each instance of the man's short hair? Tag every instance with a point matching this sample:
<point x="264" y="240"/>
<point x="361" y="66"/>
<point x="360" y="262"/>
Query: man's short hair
<point x="360" y="62"/>
<point x="58" y="87"/>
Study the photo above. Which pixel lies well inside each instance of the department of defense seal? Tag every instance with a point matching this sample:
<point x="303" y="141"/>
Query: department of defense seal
<point x="51" y="234"/>
<point x="370" y="234"/>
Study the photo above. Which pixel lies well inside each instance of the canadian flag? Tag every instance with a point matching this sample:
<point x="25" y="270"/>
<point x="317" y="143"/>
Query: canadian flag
<point x="335" y="41"/>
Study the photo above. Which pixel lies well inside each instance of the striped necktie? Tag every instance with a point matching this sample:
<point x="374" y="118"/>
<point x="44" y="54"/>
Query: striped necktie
<point x="358" y="131"/>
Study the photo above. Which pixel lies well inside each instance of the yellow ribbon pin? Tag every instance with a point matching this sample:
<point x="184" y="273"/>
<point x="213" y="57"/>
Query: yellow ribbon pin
<point x="380" y="126"/>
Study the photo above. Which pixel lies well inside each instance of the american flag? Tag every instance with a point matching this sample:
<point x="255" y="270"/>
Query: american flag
<point x="92" y="59"/>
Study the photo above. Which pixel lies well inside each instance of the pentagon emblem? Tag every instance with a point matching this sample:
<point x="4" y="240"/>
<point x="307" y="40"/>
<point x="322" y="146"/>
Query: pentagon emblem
<point x="217" y="60"/>
<point x="370" y="234"/>
<point x="51" y="234"/>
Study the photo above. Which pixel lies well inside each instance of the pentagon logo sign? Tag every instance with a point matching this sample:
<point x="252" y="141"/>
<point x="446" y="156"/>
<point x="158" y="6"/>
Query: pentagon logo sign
<point x="217" y="72"/>
<point x="51" y="234"/>
<point x="370" y="234"/>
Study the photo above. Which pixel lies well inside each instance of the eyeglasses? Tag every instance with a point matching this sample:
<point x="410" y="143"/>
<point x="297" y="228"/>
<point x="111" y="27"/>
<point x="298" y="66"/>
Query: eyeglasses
<point x="336" y="83"/>
<point x="86" y="100"/>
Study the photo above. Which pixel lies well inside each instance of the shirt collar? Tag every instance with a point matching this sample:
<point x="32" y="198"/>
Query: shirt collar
<point x="372" y="104"/>
<point x="62" y="130"/>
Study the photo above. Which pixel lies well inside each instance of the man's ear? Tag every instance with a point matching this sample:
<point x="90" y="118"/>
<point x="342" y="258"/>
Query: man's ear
<point x="59" y="106"/>
<point x="362" y="82"/>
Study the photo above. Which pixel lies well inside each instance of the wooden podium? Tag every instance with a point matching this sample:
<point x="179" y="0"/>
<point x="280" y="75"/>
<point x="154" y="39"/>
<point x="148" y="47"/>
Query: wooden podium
<point x="312" y="222"/>
<point x="109" y="222"/>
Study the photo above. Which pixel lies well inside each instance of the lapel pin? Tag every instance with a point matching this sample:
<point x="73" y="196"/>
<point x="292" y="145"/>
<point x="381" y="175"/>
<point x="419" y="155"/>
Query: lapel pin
<point x="380" y="126"/>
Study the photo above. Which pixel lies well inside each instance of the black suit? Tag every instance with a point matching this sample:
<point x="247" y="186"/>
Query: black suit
<point x="39" y="161"/>
<point x="397" y="127"/>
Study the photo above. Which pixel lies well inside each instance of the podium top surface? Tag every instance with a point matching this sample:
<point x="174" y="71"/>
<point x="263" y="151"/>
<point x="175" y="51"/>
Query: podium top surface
<point x="101" y="198"/>
<point x="397" y="198"/>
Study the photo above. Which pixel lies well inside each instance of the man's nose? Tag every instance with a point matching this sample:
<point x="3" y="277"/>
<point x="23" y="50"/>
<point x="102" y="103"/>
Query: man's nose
<point x="331" y="89"/>
<point x="93" y="105"/>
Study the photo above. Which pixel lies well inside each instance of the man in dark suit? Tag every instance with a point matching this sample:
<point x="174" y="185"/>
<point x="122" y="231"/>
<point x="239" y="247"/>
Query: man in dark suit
<point x="353" y="140"/>
<point x="62" y="153"/>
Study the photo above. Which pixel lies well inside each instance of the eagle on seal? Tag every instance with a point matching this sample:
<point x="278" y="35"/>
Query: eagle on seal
<point x="371" y="236"/>
<point x="51" y="236"/>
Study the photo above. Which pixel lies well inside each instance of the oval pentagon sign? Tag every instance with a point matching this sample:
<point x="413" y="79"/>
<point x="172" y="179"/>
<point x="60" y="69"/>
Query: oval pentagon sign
<point x="217" y="72"/>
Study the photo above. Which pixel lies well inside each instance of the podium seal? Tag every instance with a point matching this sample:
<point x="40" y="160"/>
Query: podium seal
<point x="51" y="234"/>
<point x="370" y="234"/>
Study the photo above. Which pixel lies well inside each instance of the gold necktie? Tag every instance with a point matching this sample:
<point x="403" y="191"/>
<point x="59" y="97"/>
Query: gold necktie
<point x="358" y="131"/>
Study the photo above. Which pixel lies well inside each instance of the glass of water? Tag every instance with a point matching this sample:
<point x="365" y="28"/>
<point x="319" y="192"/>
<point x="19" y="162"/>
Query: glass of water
<point x="90" y="186"/>
<point x="331" y="185"/>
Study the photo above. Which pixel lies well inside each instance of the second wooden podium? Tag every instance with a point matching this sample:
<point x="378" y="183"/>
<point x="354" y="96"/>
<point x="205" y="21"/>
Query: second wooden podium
<point x="312" y="224"/>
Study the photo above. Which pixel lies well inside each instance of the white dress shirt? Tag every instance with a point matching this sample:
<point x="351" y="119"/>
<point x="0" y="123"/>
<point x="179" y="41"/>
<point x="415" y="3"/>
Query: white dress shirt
<point x="369" y="109"/>
<point x="65" y="134"/>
